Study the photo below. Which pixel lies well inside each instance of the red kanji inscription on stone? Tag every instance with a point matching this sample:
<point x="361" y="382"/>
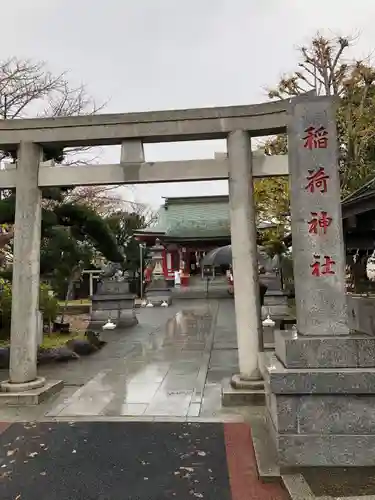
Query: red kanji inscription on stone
<point x="315" y="138"/>
<point x="317" y="180"/>
<point x="319" y="220"/>
<point x="319" y="268"/>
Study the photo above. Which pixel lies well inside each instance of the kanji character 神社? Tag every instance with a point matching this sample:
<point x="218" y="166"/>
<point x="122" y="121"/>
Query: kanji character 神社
<point x="319" y="268"/>
<point x="316" y="138"/>
<point x="317" y="180"/>
<point x="319" y="221"/>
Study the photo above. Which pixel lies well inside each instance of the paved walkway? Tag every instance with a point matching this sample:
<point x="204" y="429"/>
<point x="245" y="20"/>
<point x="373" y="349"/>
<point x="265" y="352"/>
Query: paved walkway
<point x="171" y="365"/>
<point x="141" y="419"/>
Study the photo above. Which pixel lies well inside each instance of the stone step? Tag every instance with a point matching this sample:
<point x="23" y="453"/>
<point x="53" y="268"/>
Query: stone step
<point x="264" y="450"/>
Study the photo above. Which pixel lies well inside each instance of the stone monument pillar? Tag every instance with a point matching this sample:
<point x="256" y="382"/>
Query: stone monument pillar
<point x="320" y="383"/>
<point x="158" y="293"/>
<point x="112" y="301"/>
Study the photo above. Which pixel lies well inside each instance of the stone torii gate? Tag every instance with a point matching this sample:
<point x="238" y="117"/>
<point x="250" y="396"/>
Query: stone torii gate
<point x="304" y="367"/>
<point x="30" y="136"/>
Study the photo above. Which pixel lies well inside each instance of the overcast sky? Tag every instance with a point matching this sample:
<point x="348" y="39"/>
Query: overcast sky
<point x="155" y="54"/>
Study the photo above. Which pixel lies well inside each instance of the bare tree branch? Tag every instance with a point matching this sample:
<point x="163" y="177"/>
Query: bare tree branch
<point x="324" y="68"/>
<point x="323" y="62"/>
<point x="28" y="88"/>
<point x="149" y="215"/>
<point x="103" y="199"/>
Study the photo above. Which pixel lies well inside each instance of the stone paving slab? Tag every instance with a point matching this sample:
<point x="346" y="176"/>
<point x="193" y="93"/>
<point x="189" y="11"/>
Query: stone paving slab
<point x="171" y="350"/>
<point x="130" y="460"/>
<point x="163" y="372"/>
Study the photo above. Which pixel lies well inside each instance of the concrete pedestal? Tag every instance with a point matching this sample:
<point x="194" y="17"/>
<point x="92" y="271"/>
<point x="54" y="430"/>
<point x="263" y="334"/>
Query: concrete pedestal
<point x="320" y="396"/>
<point x="113" y="301"/>
<point x="322" y="413"/>
<point x="159" y="293"/>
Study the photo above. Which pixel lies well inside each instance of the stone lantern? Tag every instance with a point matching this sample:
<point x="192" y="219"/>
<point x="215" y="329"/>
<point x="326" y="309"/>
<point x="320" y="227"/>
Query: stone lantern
<point x="157" y="262"/>
<point x="158" y="292"/>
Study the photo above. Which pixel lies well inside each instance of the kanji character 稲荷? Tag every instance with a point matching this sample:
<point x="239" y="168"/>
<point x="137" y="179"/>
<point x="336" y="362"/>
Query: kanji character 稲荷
<point x="315" y="138"/>
<point x="317" y="180"/>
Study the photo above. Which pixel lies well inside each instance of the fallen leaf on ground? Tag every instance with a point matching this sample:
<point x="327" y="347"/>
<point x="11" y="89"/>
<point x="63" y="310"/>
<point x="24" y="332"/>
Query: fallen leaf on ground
<point x="198" y="495"/>
<point x="11" y="452"/>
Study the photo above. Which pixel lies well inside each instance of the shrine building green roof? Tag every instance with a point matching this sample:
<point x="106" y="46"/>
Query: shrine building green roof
<point x="195" y="217"/>
<point x="360" y="201"/>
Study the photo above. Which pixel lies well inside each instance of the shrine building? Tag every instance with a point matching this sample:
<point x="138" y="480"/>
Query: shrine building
<point x="358" y="212"/>
<point x="188" y="228"/>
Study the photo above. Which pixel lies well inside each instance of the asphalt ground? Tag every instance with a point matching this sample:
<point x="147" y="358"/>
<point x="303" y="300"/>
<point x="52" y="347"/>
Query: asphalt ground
<point x="129" y="460"/>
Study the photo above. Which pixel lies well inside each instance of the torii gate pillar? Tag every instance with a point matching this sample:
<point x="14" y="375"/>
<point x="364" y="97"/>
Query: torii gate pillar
<point x="25" y="284"/>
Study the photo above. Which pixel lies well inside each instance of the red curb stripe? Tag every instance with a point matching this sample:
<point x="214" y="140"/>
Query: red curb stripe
<point x="243" y="475"/>
<point x="4" y="426"/>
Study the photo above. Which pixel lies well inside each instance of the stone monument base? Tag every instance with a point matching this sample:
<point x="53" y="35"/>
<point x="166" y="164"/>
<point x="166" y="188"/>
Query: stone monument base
<point x="320" y="398"/>
<point x="275" y="298"/>
<point x="158" y="296"/>
<point x="122" y="318"/>
<point x="113" y="301"/>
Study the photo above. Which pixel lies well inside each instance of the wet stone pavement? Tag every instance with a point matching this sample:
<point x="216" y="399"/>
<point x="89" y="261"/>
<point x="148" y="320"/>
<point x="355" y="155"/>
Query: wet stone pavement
<point x="141" y="419"/>
<point x="171" y="365"/>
